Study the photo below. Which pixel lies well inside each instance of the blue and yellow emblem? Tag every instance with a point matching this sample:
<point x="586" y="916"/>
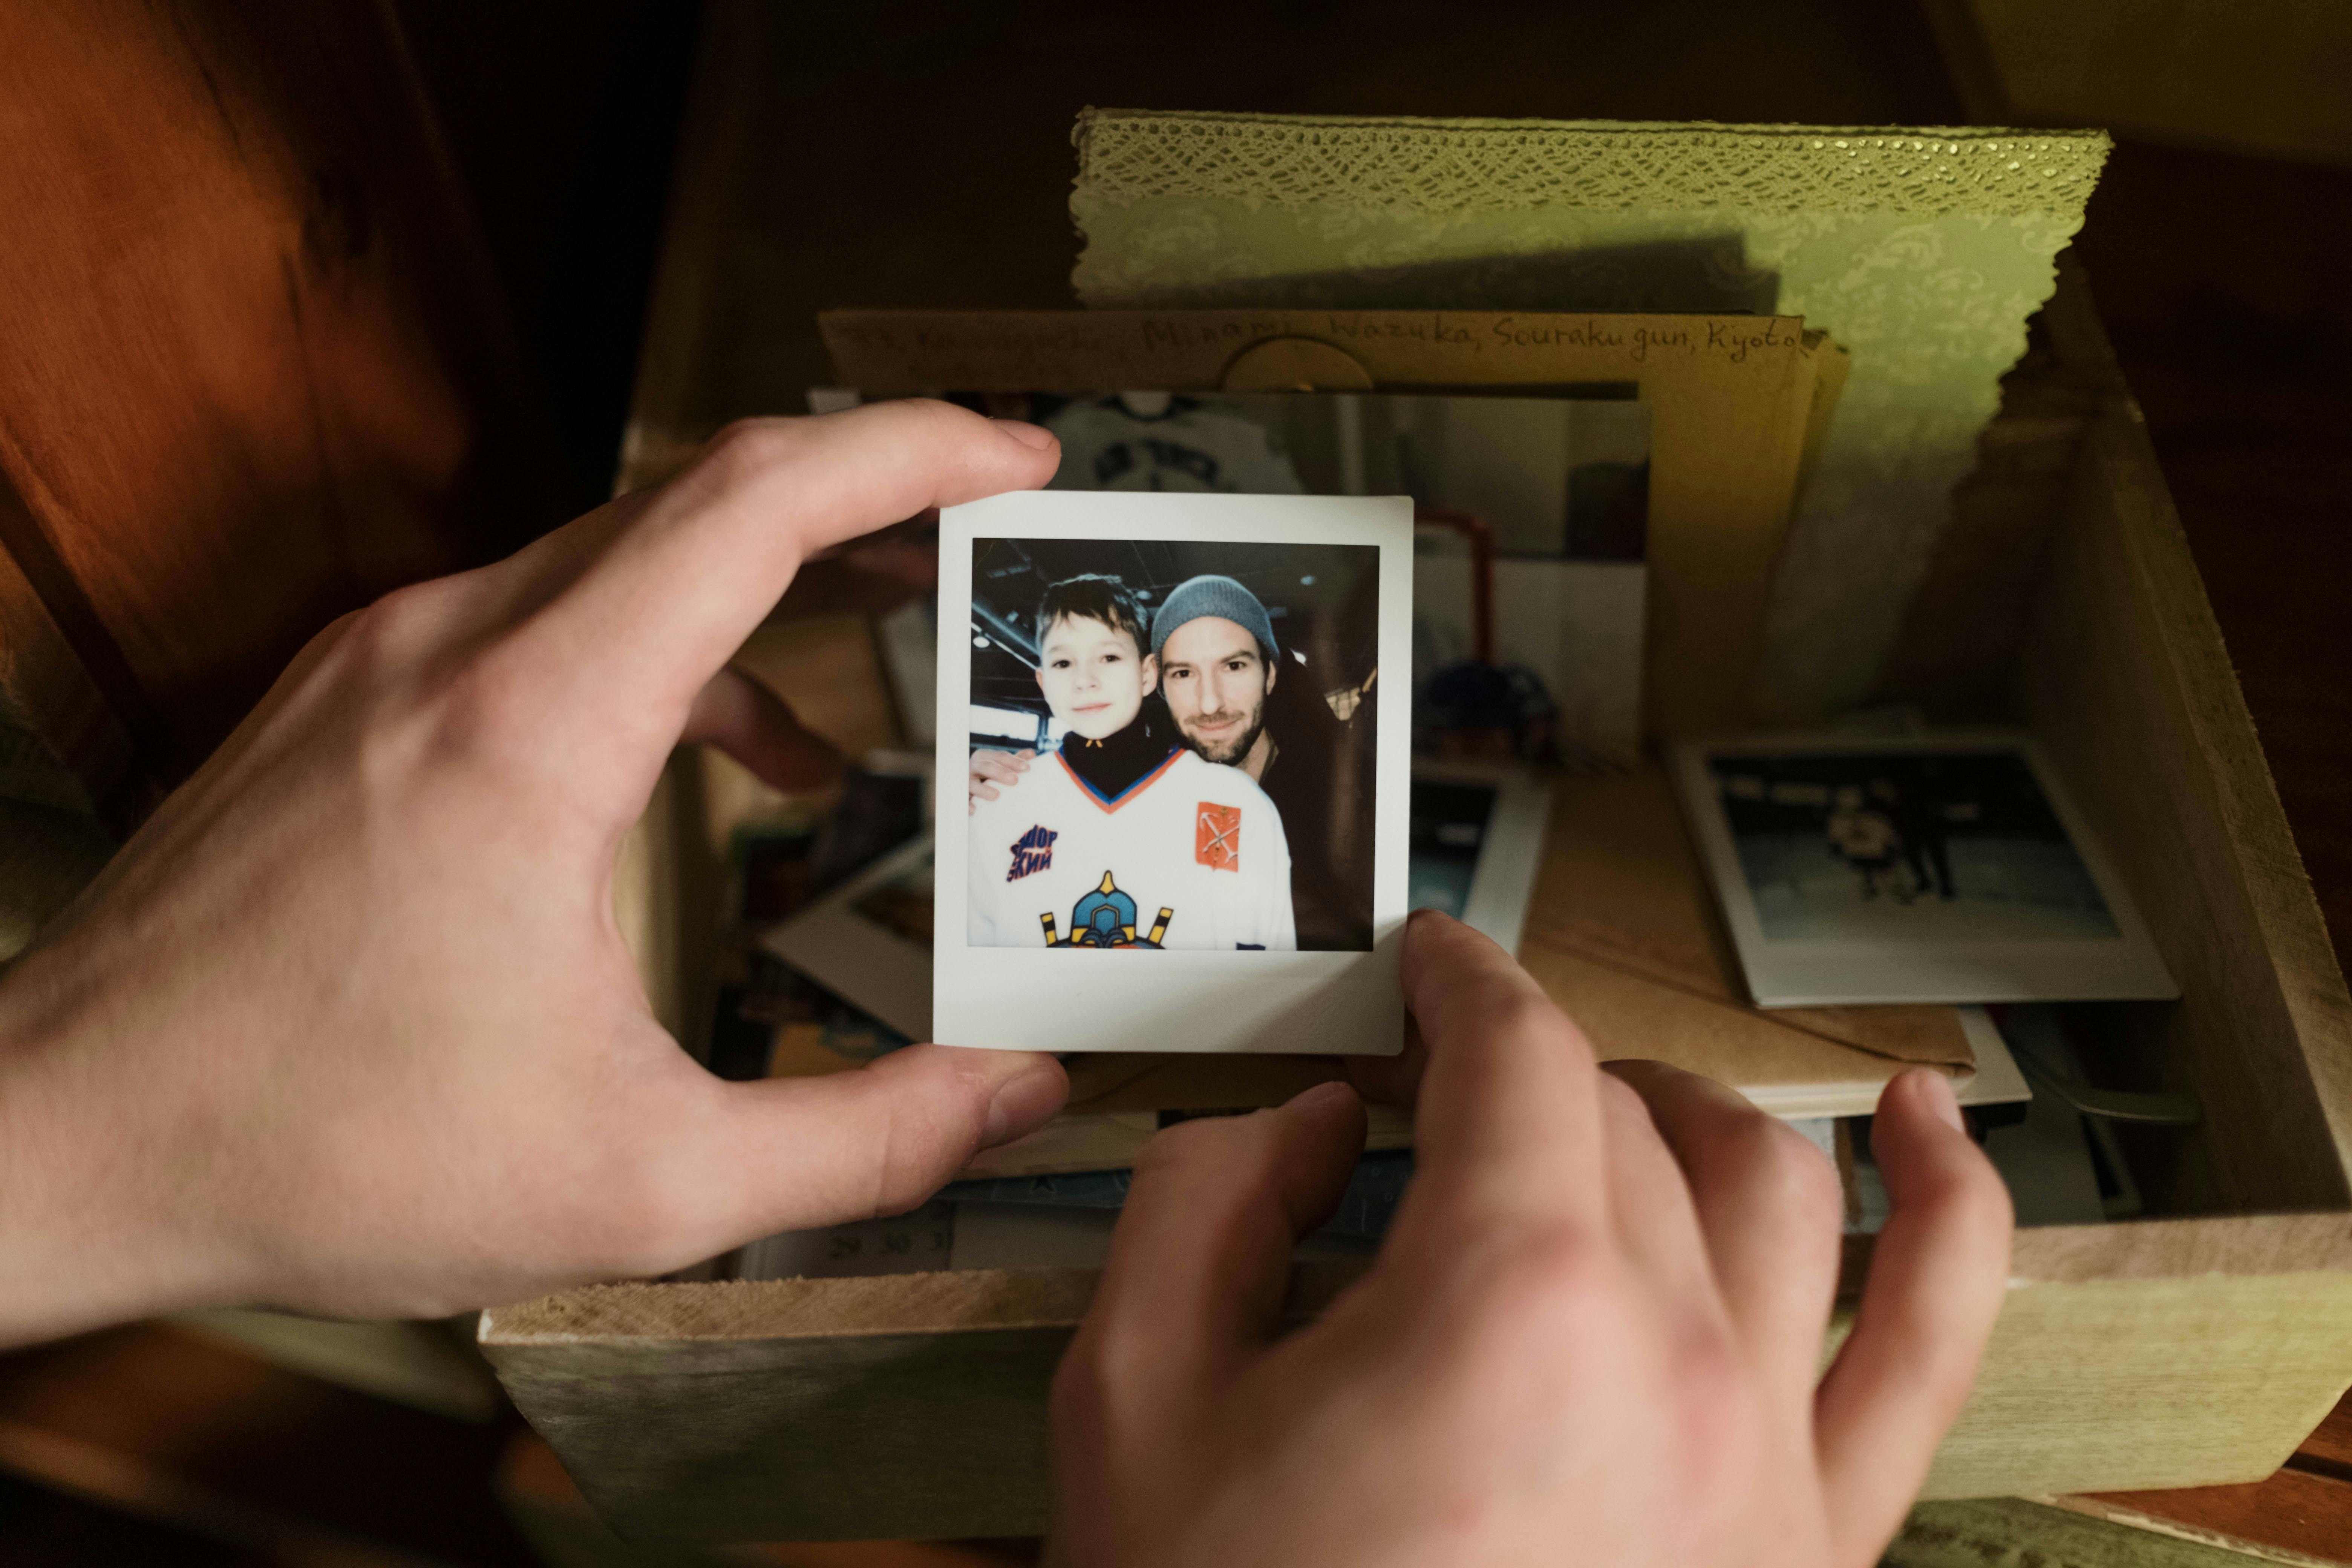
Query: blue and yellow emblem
<point x="1106" y="917"/>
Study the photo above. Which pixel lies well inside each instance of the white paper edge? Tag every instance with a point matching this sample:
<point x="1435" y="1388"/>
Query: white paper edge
<point x="1510" y="850"/>
<point x="869" y="966"/>
<point x="1814" y="974"/>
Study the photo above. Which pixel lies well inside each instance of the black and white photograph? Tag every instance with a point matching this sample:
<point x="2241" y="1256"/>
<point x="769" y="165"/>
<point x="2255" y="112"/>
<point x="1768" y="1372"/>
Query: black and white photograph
<point x="1167" y="715"/>
<point x="1930" y="869"/>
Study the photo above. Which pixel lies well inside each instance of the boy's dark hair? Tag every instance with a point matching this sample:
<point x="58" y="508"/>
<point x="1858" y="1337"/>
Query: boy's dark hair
<point x="1093" y="597"/>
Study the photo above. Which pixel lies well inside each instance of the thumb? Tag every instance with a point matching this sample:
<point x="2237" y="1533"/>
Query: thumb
<point x="806" y="1152"/>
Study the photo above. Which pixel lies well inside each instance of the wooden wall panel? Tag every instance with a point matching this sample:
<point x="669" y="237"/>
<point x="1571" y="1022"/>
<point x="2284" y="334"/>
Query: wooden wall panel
<point x="253" y="370"/>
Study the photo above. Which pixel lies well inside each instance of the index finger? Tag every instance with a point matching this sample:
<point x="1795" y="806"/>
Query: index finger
<point x="677" y="590"/>
<point x="1508" y="1123"/>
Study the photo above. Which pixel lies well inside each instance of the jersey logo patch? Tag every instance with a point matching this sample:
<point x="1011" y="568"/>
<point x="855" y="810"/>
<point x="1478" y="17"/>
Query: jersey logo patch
<point x="1217" y="836"/>
<point x="1032" y="852"/>
<point x="1106" y="917"/>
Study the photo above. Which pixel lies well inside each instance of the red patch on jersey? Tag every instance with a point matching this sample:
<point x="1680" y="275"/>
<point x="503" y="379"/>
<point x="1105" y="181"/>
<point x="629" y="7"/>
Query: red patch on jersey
<point x="1217" y="836"/>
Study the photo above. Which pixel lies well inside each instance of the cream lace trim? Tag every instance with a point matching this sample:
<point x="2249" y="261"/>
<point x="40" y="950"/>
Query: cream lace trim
<point x="1130" y="155"/>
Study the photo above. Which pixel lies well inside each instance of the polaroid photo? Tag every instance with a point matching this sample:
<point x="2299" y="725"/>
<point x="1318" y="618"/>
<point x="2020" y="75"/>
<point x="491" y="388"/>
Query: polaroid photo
<point x="869" y="941"/>
<point x="1477" y="843"/>
<point x="1202" y="845"/>
<point x="1928" y="869"/>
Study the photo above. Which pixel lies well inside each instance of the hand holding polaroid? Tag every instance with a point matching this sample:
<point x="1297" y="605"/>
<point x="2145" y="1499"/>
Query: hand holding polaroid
<point x="1946" y="867"/>
<point x="1208" y="851"/>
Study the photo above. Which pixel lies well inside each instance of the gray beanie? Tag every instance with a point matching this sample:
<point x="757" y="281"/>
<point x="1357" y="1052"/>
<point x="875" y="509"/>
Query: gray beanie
<point x="1213" y="595"/>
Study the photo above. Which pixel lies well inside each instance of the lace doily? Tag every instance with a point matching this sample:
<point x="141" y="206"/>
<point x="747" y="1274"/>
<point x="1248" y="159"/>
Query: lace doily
<point x="1921" y="251"/>
<point x="1443" y="165"/>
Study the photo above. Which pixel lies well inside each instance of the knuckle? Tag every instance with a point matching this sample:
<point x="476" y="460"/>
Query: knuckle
<point x="1526" y="1288"/>
<point x="372" y="642"/>
<point x="745" y="451"/>
<point x="1114" y="1357"/>
<point x="1802" y="1179"/>
<point x="489" y="700"/>
<point x="1554" y="1262"/>
<point x="1966" y="1199"/>
<point x="1524" y="1012"/>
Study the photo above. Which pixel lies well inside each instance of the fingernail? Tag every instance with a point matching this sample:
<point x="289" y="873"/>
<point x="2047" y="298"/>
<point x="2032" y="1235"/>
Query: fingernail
<point x="1024" y="1103"/>
<point x="1035" y="438"/>
<point x="1936" y="1090"/>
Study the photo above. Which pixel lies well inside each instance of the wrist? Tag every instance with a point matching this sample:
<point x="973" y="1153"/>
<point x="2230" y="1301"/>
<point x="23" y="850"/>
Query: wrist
<point x="96" y="1227"/>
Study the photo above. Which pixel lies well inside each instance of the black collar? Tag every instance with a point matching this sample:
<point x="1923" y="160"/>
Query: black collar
<point x="1111" y="766"/>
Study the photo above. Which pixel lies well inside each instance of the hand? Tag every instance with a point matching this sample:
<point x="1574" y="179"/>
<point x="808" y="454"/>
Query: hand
<point x="991" y="768"/>
<point x="347" y="1026"/>
<point x="1593" y="1332"/>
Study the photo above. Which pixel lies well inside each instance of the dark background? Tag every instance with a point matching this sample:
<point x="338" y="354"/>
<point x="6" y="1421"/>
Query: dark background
<point x="563" y="123"/>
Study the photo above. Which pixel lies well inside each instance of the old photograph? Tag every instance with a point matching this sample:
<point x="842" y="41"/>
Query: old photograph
<point x="1171" y="738"/>
<point x="1934" y="868"/>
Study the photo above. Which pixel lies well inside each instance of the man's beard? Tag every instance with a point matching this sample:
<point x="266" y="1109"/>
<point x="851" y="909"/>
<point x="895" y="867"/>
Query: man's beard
<point x="1232" y="752"/>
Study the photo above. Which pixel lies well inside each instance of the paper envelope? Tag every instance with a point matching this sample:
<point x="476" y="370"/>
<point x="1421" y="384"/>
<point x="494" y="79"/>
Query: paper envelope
<point x="1622" y="931"/>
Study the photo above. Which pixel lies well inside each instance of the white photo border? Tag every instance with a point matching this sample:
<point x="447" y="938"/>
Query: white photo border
<point x="1347" y="1004"/>
<point x="863" y="962"/>
<point x="1511" y="843"/>
<point x="1824" y="973"/>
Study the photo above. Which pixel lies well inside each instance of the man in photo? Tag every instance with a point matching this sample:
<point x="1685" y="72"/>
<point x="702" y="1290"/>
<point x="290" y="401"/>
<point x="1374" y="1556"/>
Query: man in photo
<point x="1218" y="671"/>
<point x="1921" y="824"/>
<point x="1124" y="838"/>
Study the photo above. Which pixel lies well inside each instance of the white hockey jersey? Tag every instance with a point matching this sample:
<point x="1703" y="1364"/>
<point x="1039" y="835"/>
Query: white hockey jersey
<point x="1191" y="854"/>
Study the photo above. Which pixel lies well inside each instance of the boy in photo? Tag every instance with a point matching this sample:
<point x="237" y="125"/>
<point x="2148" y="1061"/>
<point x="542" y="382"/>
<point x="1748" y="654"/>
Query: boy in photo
<point x="1123" y="837"/>
<point x="1865" y="840"/>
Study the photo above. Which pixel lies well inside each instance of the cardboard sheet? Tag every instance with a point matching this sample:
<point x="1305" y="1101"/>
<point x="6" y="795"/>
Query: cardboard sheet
<point x="1733" y="402"/>
<point x="1621" y="933"/>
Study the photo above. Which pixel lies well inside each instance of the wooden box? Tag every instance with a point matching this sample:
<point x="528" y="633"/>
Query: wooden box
<point x="2195" y="1346"/>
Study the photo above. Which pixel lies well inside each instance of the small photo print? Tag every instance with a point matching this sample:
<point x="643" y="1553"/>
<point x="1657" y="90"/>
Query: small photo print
<point x="1166" y="710"/>
<point x="1919" y="869"/>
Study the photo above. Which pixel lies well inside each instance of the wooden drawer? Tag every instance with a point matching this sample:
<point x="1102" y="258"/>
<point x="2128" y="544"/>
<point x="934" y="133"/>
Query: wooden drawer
<point x="2195" y="1346"/>
<point x="2186" y="1350"/>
